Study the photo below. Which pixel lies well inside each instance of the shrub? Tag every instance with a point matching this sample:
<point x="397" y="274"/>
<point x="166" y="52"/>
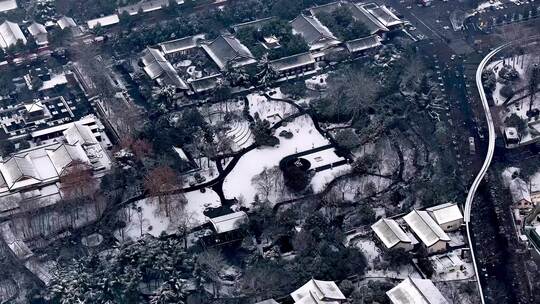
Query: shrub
<point x="286" y="134"/>
<point x="507" y="91"/>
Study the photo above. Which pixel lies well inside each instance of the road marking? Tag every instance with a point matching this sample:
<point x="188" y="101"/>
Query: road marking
<point x="437" y="34"/>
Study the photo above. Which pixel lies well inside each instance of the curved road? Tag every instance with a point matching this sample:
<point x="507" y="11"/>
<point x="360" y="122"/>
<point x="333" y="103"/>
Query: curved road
<point x="489" y="155"/>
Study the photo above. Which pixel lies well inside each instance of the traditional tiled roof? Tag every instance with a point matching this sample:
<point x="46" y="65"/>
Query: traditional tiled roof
<point x="34" y="106"/>
<point x="416" y="291"/>
<point x="293" y="61"/>
<point x="39" y="32"/>
<point x="17" y="168"/>
<point x="390" y="233"/>
<point x="66" y="22"/>
<point x="385" y="16"/>
<point x="180" y="44"/>
<point x="103" y="21"/>
<point x="318" y="292"/>
<point x="258" y="24"/>
<point x="158" y="68"/>
<point x="81" y="134"/>
<point x="10" y="33"/>
<point x="311" y="29"/>
<point x="445" y="213"/>
<point x="362" y="44"/>
<point x="425" y="227"/>
<point x="205" y="84"/>
<point x="227" y="49"/>
<point x="229" y="222"/>
<point x="65" y="155"/>
<point x="7" y="5"/>
<point x="363" y="16"/>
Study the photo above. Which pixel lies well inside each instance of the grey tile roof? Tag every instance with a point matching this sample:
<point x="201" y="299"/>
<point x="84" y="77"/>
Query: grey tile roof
<point x="361" y="14"/>
<point x="389" y="232"/>
<point x="365" y="43"/>
<point x="292" y="61"/>
<point x="425" y="227"/>
<point x="10" y="33"/>
<point x="205" y="83"/>
<point x="385" y="16"/>
<point x="225" y="49"/>
<point x="160" y="69"/>
<point x="180" y="44"/>
<point x="311" y="29"/>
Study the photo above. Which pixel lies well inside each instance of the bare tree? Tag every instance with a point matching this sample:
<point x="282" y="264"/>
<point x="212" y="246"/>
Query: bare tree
<point x="77" y="181"/>
<point x="159" y="181"/>
<point x="210" y="263"/>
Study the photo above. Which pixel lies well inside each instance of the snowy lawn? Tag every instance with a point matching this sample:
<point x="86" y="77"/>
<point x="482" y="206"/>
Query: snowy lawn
<point x="152" y="218"/>
<point x="271" y="110"/>
<point x="238" y="182"/>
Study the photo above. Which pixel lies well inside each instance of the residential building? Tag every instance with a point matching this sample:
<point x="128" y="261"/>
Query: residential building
<point x="433" y="238"/>
<point x="103" y="21"/>
<point x="318" y="292"/>
<point x="227" y="51"/>
<point x="362" y="46"/>
<point x="10" y="34"/>
<point x="317" y="36"/>
<point x="182" y="46"/>
<point x="448" y="216"/>
<point x="159" y="69"/>
<point x="294" y="65"/>
<point x="392" y="235"/>
<point x="416" y="291"/>
<point x="7" y="5"/>
<point x="39" y="32"/>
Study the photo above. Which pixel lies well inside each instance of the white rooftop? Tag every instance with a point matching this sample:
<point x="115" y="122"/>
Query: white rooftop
<point x="416" y="291"/>
<point x="103" y="21"/>
<point x="10" y="33"/>
<point x="389" y="232"/>
<point x="318" y="292"/>
<point x="445" y="213"/>
<point x="66" y="22"/>
<point x="425" y="227"/>
<point x="7" y="5"/>
<point x="229" y="222"/>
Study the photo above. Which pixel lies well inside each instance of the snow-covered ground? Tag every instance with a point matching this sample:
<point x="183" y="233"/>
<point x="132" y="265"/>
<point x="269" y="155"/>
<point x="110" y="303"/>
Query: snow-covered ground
<point x="152" y="218"/>
<point x="271" y="110"/>
<point x="305" y="137"/>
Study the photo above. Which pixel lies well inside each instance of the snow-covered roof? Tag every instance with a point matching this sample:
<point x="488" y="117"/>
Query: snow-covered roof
<point x="65" y="154"/>
<point x="180" y="44"/>
<point x="445" y="213"/>
<point x="311" y="29"/>
<point x="143" y="6"/>
<point x="36" y="29"/>
<point x="229" y="222"/>
<point x="158" y="68"/>
<point x="389" y="232"/>
<point x="7" y="5"/>
<point x="416" y="291"/>
<point x="385" y="16"/>
<point x="269" y="301"/>
<point x="318" y="292"/>
<point x="425" y="227"/>
<point x="10" y="33"/>
<point x="39" y="32"/>
<point x="79" y="133"/>
<point x="227" y="49"/>
<point x="362" y="44"/>
<point x="55" y="80"/>
<point x="205" y="83"/>
<point x="66" y="22"/>
<point x="292" y="62"/>
<point x="103" y="21"/>
<point x="34" y="106"/>
<point x="17" y="168"/>
<point x="363" y="16"/>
